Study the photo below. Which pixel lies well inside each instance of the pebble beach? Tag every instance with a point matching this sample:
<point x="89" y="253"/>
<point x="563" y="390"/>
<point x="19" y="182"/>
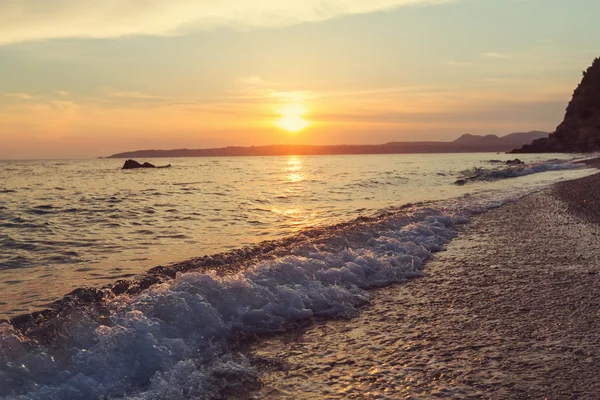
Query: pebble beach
<point x="510" y="310"/>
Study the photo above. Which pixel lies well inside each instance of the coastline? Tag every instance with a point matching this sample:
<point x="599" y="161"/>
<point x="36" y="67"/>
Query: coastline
<point x="132" y="282"/>
<point x="509" y="311"/>
<point x="289" y="284"/>
<point x="42" y="324"/>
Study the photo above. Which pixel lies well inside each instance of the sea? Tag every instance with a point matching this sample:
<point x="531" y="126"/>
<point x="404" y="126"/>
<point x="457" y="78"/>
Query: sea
<point x="336" y="226"/>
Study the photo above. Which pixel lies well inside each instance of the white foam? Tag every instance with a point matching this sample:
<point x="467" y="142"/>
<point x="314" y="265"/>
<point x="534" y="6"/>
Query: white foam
<point x="515" y="171"/>
<point x="195" y="317"/>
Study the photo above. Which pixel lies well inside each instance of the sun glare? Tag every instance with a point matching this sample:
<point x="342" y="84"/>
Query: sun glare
<point x="292" y="118"/>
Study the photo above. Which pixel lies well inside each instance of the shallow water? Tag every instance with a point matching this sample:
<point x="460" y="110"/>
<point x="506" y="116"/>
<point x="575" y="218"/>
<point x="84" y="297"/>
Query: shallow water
<point x="65" y="224"/>
<point x="508" y="311"/>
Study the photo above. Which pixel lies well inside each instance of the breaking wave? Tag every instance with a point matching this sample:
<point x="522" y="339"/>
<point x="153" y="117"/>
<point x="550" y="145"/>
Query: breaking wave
<point x="512" y="171"/>
<point x="176" y="339"/>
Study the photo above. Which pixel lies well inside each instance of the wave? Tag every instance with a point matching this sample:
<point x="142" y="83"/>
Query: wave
<point x="514" y="171"/>
<point x="174" y="333"/>
<point x="175" y="336"/>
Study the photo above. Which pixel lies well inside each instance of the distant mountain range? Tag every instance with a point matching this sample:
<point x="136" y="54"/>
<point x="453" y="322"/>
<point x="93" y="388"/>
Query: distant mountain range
<point x="464" y="144"/>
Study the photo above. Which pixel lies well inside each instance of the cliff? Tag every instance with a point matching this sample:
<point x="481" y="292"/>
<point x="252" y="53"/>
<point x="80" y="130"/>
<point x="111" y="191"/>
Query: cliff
<point x="580" y="130"/>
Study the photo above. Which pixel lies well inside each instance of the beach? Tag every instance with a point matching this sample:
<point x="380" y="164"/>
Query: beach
<point x="489" y="294"/>
<point x="511" y="310"/>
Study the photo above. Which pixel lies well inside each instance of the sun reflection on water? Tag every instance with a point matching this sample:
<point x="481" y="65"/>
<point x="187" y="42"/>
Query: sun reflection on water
<point x="296" y="216"/>
<point x="293" y="168"/>
<point x="294" y="178"/>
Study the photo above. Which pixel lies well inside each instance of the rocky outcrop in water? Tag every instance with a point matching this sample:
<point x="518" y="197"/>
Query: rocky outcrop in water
<point x="580" y="129"/>
<point x="132" y="164"/>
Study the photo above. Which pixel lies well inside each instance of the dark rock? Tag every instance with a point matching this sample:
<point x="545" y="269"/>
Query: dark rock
<point x="22" y="320"/>
<point x="120" y="287"/>
<point x="211" y="261"/>
<point x="144" y="283"/>
<point x="163" y="271"/>
<point x="460" y="182"/>
<point x="132" y="164"/>
<point x="580" y="130"/>
<point x="516" y="161"/>
<point x="86" y="295"/>
<point x="40" y="315"/>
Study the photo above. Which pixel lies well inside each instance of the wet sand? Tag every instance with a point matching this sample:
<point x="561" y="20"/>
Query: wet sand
<point x="510" y="311"/>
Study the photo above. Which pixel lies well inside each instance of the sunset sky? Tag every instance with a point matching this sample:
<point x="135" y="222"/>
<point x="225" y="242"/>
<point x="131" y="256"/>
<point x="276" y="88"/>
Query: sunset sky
<point x="81" y="78"/>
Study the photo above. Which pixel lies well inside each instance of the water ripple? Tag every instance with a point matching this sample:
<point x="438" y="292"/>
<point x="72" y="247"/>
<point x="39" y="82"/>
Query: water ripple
<point x="54" y="215"/>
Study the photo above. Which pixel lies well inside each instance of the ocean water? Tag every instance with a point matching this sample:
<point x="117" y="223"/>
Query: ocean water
<point x="75" y="223"/>
<point x="65" y="224"/>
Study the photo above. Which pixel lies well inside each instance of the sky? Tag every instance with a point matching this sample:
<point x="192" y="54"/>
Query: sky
<point x="83" y="78"/>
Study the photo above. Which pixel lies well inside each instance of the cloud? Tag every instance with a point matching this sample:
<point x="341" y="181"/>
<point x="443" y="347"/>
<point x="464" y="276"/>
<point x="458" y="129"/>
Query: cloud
<point x="67" y="107"/>
<point x="498" y="56"/>
<point x="454" y="63"/>
<point x="62" y="92"/>
<point x="254" y="81"/>
<point x="26" y="20"/>
<point x="132" y="95"/>
<point x="297" y="96"/>
<point x="255" y="87"/>
<point x="540" y="111"/>
<point x="22" y="96"/>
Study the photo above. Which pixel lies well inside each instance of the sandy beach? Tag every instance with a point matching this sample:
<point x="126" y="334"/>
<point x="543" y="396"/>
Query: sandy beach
<point x="511" y="310"/>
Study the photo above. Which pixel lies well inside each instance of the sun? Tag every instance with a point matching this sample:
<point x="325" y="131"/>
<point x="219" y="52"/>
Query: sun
<point x="292" y="123"/>
<point x="292" y="118"/>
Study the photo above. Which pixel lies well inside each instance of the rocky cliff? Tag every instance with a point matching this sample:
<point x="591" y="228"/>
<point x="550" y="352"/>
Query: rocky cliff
<point x="580" y="129"/>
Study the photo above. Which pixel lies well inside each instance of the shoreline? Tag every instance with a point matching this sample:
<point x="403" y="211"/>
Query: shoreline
<point x="36" y="322"/>
<point x="215" y="316"/>
<point x="224" y="263"/>
<point x="509" y="311"/>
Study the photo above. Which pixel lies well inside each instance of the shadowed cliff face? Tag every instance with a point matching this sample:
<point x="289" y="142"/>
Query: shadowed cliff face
<point x="580" y="129"/>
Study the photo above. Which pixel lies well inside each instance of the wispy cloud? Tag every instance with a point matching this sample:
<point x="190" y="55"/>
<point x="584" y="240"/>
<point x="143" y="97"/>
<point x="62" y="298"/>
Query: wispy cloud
<point x="22" y="96"/>
<point x="62" y="93"/>
<point x="498" y="56"/>
<point x="132" y="95"/>
<point x="25" y="20"/>
<point x="253" y="82"/>
<point x="454" y="63"/>
<point x="68" y="107"/>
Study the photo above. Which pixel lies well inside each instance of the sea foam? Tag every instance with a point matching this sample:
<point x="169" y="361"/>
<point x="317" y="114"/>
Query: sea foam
<point x="479" y="174"/>
<point x="173" y="340"/>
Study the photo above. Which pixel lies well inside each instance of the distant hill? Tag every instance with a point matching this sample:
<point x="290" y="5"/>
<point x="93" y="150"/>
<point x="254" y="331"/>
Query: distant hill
<point x="464" y="144"/>
<point x="511" y="140"/>
<point x="469" y="139"/>
<point x="580" y="129"/>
